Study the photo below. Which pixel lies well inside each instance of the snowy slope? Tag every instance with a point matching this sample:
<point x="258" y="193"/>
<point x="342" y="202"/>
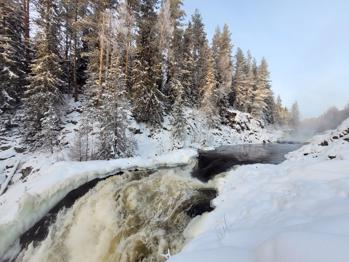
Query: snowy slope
<point x="26" y="203"/>
<point x="243" y="130"/>
<point x="295" y="211"/>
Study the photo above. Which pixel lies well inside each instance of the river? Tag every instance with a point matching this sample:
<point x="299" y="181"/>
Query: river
<point x="136" y="216"/>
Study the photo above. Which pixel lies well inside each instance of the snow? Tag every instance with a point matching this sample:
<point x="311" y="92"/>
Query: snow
<point x="198" y="135"/>
<point x="295" y="211"/>
<point x="149" y="142"/>
<point x="26" y="203"/>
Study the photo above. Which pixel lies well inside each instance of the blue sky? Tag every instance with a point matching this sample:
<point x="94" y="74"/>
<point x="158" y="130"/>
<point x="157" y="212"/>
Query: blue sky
<point x="306" y="44"/>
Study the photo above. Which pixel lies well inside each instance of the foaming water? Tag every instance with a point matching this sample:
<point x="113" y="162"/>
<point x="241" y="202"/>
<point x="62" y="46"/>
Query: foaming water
<point x="135" y="217"/>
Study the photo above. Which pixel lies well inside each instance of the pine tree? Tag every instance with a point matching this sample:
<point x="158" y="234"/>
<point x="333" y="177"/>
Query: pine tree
<point x="74" y="15"/>
<point x="96" y="23"/>
<point x="44" y="91"/>
<point x="165" y="26"/>
<point x="12" y="53"/>
<point x="125" y="39"/>
<point x="147" y="96"/>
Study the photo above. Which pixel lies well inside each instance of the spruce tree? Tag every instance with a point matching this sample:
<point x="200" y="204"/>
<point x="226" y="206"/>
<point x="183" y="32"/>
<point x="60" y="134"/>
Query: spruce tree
<point x="112" y="115"/>
<point x="13" y="50"/>
<point x="43" y="95"/>
<point x="222" y="49"/>
<point x="188" y="65"/>
<point x="179" y="120"/>
<point x="147" y="96"/>
<point x="199" y="53"/>
<point x="210" y="93"/>
<point x="239" y="82"/>
<point x="262" y="92"/>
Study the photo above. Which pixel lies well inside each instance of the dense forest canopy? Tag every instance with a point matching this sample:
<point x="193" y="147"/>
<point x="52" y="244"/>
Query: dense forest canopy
<point x="132" y="56"/>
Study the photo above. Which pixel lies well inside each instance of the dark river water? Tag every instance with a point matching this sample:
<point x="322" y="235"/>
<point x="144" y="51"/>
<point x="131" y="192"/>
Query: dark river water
<point x="221" y="159"/>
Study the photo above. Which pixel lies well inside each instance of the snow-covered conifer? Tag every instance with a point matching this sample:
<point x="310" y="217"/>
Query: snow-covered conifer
<point x="148" y="99"/>
<point x="12" y="53"/>
<point x="112" y="115"/>
<point x="199" y="53"/>
<point x="43" y="95"/>
<point x="239" y="82"/>
<point x="210" y="92"/>
<point x="125" y="39"/>
<point x="179" y="120"/>
<point x="222" y="49"/>
<point x="261" y="92"/>
<point x="165" y="26"/>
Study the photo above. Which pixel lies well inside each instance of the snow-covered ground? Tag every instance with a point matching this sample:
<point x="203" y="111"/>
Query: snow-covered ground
<point x="26" y="203"/>
<point x="295" y="211"/>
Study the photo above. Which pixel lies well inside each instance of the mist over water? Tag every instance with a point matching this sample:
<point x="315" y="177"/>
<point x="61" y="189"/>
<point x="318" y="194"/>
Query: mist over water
<point x="331" y="119"/>
<point x="134" y="217"/>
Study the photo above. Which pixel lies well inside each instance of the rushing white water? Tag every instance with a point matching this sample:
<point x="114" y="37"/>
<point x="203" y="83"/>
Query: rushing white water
<point x="134" y="217"/>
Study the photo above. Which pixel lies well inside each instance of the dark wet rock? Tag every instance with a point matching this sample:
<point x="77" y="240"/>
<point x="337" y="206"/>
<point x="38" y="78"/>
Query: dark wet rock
<point x="324" y="143"/>
<point x="335" y="137"/>
<point x="203" y="205"/>
<point x="20" y="150"/>
<point x="332" y="157"/>
<point x="26" y="171"/>
<point x="4" y="148"/>
<point x="136" y="131"/>
<point x="346" y="139"/>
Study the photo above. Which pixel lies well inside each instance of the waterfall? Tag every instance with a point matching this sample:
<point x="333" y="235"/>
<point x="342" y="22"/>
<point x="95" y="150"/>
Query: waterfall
<point x="139" y="216"/>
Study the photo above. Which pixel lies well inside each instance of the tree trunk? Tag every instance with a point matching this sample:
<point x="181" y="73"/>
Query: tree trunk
<point x="26" y="8"/>
<point x="75" y="54"/>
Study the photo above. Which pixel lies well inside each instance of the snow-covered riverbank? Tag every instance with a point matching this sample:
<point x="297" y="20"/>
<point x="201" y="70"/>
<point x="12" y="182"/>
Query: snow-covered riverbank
<point x="18" y="160"/>
<point x="295" y="211"/>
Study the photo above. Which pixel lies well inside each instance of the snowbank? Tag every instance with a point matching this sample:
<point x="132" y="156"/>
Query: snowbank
<point x="295" y="211"/>
<point x="26" y="203"/>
